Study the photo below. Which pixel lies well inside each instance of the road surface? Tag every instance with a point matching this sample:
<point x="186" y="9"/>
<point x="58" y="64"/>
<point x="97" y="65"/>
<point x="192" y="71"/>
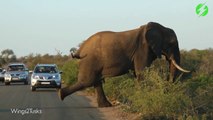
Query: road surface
<point x="17" y="102"/>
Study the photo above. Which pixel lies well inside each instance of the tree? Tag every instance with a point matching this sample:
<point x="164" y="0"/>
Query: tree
<point x="7" y="56"/>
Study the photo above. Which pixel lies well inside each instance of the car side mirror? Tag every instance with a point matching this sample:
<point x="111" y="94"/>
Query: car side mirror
<point x="60" y="72"/>
<point x="4" y="71"/>
<point x="30" y="71"/>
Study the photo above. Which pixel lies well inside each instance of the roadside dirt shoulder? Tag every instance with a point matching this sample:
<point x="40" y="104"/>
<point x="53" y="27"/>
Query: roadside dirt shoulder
<point x="111" y="113"/>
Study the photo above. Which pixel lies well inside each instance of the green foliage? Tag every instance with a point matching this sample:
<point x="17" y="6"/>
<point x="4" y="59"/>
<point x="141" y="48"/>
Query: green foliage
<point x="200" y="90"/>
<point x="70" y="72"/>
<point x="113" y="87"/>
<point x="198" y="61"/>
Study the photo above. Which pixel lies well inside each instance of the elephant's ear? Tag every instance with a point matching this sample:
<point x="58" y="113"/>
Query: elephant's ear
<point x="154" y="39"/>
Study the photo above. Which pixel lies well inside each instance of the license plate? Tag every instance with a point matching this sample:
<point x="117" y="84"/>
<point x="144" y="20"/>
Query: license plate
<point x="14" y="78"/>
<point x="45" y="83"/>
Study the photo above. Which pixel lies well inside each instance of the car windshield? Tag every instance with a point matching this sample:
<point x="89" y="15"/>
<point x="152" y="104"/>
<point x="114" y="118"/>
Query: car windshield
<point x="1" y="70"/>
<point x="16" y="68"/>
<point x="45" y="69"/>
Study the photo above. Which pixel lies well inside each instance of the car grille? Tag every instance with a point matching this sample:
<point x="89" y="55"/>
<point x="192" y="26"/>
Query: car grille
<point x="14" y="75"/>
<point x="45" y="78"/>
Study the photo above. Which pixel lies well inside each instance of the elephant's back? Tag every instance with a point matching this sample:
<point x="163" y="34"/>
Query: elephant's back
<point x="91" y="46"/>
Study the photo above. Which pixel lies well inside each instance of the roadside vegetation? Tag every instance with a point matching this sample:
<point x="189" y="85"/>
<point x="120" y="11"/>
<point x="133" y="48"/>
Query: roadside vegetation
<point x="189" y="98"/>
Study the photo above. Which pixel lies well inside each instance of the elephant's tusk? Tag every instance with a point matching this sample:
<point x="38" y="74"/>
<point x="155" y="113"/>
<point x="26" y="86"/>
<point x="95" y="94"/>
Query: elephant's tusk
<point x="178" y="67"/>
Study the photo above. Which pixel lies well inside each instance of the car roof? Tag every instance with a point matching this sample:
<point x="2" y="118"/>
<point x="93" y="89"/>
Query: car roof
<point x="46" y="65"/>
<point x="16" y="64"/>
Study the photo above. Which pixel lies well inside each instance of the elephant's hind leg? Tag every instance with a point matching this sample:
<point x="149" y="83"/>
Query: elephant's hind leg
<point x="101" y="98"/>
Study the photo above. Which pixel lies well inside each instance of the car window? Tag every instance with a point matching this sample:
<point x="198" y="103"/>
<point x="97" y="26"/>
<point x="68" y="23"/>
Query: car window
<point x="16" y="68"/>
<point x="1" y="70"/>
<point x="45" y="69"/>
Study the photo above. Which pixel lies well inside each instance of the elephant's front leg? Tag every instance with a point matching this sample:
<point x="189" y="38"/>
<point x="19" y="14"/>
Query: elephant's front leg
<point x="101" y="98"/>
<point x="139" y="67"/>
<point x="141" y="60"/>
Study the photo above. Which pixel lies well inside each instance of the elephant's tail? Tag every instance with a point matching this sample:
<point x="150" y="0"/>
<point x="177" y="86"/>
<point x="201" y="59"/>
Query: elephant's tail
<point x="77" y="56"/>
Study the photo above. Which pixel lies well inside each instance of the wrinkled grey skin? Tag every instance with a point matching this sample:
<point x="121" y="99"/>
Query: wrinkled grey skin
<point x="109" y="54"/>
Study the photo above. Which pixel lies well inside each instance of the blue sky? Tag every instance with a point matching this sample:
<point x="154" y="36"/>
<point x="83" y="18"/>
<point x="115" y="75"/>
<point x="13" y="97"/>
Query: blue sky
<point x="42" y="26"/>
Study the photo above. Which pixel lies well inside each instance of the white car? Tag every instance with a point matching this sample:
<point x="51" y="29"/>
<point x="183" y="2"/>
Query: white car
<point x="45" y="76"/>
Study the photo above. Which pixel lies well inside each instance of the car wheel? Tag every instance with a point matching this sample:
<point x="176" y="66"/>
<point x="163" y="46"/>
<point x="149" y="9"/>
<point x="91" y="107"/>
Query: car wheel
<point x="33" y="88"/>
<point x="7" y="83"/>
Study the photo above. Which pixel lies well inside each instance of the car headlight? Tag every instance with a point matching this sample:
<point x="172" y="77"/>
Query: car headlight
<point x="7" y="75"/>
<point x="35" y="77"/>
<point x="55" y="76"/>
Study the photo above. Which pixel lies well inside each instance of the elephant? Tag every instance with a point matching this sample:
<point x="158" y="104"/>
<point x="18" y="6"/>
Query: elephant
<point x="109" y="54"/>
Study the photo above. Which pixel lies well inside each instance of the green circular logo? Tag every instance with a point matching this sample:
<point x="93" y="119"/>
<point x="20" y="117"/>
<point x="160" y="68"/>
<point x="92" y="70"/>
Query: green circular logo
<point x="202" y="9"/>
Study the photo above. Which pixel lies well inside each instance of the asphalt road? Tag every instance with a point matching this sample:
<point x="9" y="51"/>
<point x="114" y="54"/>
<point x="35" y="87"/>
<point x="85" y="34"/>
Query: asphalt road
<point x="43" y="104"/>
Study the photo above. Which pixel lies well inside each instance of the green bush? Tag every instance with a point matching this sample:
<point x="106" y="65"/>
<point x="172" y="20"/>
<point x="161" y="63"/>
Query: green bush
<point x="70" y="72"/>
<point x="200" y="90"/>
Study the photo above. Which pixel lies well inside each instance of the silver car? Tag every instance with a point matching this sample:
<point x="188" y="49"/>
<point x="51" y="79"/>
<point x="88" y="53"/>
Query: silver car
<point x="16" y="72"/>
<point x="2" y="72"/>
<point x="45" y="76"/>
